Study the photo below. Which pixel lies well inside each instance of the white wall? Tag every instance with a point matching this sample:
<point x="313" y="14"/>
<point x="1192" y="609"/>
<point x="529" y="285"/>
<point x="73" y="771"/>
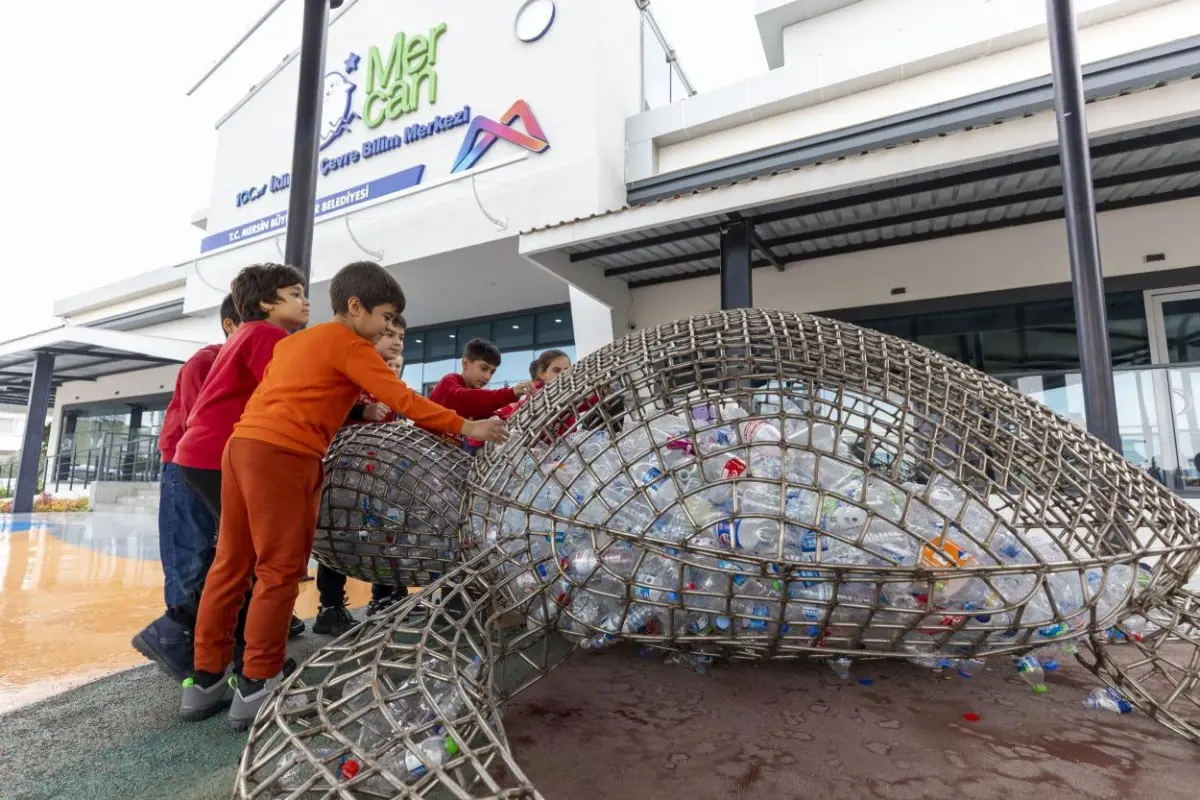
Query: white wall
<point x="580" y="81"/>
<point x="1028" y="255"/>
<point x="798" y="101"/>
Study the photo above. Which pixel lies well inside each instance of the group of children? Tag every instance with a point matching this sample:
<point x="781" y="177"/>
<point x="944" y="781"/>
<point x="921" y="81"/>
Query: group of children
<point x="243" y="443"/>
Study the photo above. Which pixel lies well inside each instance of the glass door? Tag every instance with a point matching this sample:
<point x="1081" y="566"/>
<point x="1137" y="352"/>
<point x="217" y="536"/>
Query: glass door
<point x="1174" y="316"/>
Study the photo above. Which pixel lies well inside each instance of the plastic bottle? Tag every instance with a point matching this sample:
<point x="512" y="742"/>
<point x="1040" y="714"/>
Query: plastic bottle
<point x="840" y="667"/>
<point x="1108" y="699"/>
<point x="968" y="668"/>
<point x="697" y="662"/>
<point x="1031" y="672"/>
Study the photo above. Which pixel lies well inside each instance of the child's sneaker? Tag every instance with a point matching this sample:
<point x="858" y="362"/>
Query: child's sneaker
<point x="296" y="628"/>
<point x="251" y="694"/>
<point x="168" y="643"/>
<point x="333" y="621"/>
<point x="205" y="694"/>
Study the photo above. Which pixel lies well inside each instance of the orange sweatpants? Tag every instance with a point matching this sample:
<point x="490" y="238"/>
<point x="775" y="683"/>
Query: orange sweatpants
<point x="269" y="501"/>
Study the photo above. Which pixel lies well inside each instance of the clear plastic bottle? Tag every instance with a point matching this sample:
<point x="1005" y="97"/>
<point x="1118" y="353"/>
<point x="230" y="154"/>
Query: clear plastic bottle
<point x="697" y="662"/>
<point x="840" y="667"/>
<point x="1030" y="670"/>
<point x="1108" y="699"/>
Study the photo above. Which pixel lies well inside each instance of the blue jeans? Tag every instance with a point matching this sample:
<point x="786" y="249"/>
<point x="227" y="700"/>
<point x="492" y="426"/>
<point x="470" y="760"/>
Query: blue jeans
<point x="187" y="537"/>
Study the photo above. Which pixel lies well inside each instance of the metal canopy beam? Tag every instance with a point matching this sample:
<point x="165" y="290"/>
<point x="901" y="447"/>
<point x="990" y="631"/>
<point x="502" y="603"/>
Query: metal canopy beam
<point x="985" y="204"/>
<point x="736" y="279"/>
<point x="1168" y="62"/>
<point x="995" y="172"/>
<point x="928" y="236"/>
<point x="31" y="443"/>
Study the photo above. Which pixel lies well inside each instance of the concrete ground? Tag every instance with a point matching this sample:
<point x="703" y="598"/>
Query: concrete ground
<point x="614" y="726"/>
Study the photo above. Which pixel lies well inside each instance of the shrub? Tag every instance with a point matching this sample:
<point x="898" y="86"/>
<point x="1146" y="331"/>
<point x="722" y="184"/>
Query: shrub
<point x="45" y="503"/>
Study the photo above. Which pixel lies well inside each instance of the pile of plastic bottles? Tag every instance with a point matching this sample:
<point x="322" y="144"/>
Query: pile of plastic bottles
<point x="717" y="530"/>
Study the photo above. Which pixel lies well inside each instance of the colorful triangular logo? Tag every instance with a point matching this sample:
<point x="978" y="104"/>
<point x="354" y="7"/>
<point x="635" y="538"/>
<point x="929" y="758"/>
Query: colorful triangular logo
<point x="484" y="132"/>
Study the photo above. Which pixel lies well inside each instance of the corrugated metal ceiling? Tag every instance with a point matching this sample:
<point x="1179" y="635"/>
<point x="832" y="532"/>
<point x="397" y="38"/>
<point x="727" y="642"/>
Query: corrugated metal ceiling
<point x="1149" y="165"/>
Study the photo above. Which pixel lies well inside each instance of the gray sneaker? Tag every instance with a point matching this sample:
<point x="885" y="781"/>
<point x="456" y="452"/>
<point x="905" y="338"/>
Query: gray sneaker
<point x="250" y="696"/>
<point x="201" y="702"/>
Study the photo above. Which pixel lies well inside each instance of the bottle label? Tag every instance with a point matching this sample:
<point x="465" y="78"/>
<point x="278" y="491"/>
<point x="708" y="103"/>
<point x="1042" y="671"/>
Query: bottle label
<point x="727" y="533"/>
<point x="681" y="442"/>
<point x="654" y="477"/>
<point x="734" y="468"/>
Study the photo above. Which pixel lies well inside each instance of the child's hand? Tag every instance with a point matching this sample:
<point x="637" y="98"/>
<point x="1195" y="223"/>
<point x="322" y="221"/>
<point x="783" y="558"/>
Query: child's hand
<point x="487" y="430"/>
<point x="523" y="388"/>
<point x="376" y="412"/>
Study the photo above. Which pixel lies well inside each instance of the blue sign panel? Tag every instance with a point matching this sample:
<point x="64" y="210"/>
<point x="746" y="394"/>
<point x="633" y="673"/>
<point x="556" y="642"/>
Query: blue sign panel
<point x="388" y="184"/>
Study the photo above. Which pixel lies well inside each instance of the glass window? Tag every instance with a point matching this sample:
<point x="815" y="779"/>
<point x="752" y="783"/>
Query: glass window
<point x="513" y="333"/>
<point x="514" y="368"/>
<point x="414" y="346"/>
<point x="1181" y="324"/>
<point x="1035" y="337"/>
<point x="441" y="343"/>
<point x="554" y="328"/>
<point x="475" y="330"/>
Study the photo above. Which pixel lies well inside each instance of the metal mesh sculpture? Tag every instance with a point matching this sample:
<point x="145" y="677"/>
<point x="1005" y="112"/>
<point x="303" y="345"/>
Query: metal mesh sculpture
<point x="748" y="484"/>
<point x="391" y="509"/>
<point x="1158" y="670"/>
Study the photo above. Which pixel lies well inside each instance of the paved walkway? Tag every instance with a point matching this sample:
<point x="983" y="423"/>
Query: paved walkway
<point x="614" y="726"/>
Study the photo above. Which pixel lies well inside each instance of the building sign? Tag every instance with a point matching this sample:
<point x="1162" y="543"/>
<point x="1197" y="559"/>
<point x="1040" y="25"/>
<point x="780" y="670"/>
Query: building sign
<point x="380" y="187"/>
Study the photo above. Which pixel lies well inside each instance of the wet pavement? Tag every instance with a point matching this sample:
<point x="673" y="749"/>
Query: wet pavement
<point x="74" y="589"/>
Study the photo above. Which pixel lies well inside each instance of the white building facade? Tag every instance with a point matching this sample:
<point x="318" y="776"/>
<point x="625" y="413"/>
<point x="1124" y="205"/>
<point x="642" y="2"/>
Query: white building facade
<point x="551" y="181"/>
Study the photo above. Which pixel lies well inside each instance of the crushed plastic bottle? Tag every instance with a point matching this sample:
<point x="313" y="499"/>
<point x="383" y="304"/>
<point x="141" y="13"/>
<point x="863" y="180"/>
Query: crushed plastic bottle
<point x="1108" y="699"/>
<point x="697" y="662"/>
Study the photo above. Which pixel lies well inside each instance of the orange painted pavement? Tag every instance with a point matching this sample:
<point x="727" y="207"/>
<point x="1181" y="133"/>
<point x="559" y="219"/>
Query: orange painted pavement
<point x="67" y="613"/>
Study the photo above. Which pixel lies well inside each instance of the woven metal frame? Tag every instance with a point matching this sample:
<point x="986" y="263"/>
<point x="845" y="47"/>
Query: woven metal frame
<point x="390" y="512"/>
<point x="749" y="484"/>
<point x="1158" y="667"/>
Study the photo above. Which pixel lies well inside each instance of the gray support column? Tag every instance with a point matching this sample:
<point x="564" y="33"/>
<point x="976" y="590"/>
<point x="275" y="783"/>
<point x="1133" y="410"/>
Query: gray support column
<point x="309" y="92"/>
<point x="35" y="428"/>
<point x="1083" y="238"/>
<point x="736" y="280"/>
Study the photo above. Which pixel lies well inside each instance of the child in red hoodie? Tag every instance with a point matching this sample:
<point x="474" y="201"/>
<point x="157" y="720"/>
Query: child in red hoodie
<point x="465" y="392"/>
<point x="544" y="369"/>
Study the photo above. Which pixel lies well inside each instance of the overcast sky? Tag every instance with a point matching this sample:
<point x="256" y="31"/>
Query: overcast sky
<point x="106" y="159"/>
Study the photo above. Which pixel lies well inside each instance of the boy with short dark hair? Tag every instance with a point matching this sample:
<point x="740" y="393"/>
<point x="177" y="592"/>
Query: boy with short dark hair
<point x="465" y="392"/>
<point x="187" y="530"/>
<point x="271" y="485"/>
<point x="333" y="617"/>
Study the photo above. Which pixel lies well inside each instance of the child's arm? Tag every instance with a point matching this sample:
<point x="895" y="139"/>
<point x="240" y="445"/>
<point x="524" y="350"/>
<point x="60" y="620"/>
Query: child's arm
<point x="364" y="366"/>
<point x="474" y="403"/>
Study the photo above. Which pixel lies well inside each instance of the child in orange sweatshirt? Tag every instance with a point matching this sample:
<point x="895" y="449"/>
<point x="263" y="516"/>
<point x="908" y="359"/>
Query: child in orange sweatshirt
<point x="271" y="480"/>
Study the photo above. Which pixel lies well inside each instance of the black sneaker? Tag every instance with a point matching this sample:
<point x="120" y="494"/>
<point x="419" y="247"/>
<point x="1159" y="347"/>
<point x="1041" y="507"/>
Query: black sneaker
<point x="297" y="627"/>
<point x="333" y="621"/>
<point x="380" y="606"/>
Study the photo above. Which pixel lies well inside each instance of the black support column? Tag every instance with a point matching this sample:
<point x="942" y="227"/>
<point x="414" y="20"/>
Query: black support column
<point x="35" y="427"/>
<point x="1083" y="238"/>
<point x="302" y="199"/>
<point x="736" y="280"/>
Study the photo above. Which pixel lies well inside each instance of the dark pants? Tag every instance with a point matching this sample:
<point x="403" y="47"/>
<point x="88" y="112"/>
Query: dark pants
<point x="331" y="586"/>
<point x="187" y="538"/>
<point x="207" y="484"/>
